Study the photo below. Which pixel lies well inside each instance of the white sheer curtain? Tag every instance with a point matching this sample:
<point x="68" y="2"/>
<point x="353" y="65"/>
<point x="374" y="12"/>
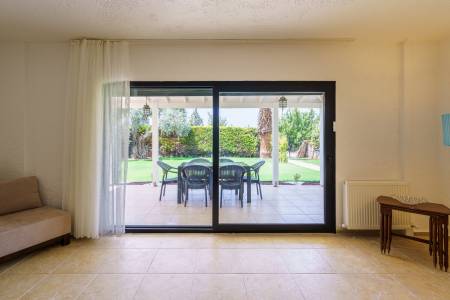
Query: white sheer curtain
<point x="96" y="137"/>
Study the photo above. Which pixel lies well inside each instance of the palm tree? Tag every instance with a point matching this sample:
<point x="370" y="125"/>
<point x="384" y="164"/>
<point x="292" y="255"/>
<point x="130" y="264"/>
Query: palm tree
<point x="265" y="132"/>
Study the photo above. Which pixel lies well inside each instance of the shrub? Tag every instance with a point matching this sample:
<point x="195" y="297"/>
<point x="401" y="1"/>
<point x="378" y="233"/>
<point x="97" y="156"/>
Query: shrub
<point x="238" y="141"/>
<point x="234" y="141"/>
<point x="199" y="141"/>
<point x="283" y="149"/>
<point x="299" y="125"/>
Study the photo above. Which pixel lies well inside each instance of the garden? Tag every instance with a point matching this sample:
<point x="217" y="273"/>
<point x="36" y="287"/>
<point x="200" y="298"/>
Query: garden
<point x="141" y="170"/>
<point x="183" y="137"/>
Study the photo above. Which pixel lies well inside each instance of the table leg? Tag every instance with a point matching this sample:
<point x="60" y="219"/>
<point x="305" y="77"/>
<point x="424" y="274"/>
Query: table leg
<point x="384" y="228"/>
<point x="430" y="235"/>
<point x="381" y="230"/>
<point x="210" y="186"/>
<point x="179" y="185"/>
<point x="441" y="243"/>
<point x="389" y="231"/>
<point x="446" y="243"/>
<point x="435" y="237"/>
<point x="249" y="186"/>
<point x="385" y="233"/>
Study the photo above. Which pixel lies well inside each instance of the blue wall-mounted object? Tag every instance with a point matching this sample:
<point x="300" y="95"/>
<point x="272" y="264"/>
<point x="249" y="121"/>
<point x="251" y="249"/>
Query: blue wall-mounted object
<point x="446" y="129"/>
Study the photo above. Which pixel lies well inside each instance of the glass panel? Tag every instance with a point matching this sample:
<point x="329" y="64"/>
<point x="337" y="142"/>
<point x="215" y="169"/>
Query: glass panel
<point x="170" y="147"/>
<point x="270" y="166"/>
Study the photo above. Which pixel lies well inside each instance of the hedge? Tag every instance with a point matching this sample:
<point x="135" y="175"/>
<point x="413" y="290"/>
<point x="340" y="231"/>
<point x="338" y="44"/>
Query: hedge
<point x="234" y="141"/>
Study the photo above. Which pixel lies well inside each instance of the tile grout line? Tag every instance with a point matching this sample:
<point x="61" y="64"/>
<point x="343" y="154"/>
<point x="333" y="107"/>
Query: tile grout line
<point x="245" y="287"/>
<point x="87" y="285"/>
<point x="46" y="275"/>
<point x="139" y="286"/>
<point x="151" y="261"/>
<point x="191" y="288"/>
<point x="33" y="285"/>
<point x="299" y="287"/>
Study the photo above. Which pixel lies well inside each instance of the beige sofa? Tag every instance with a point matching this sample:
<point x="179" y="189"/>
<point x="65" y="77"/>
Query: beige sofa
<point x="25" y="223"/>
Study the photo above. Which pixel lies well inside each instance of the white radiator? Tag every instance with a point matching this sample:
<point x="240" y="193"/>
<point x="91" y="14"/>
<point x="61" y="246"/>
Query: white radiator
<point x="361" y="210"/>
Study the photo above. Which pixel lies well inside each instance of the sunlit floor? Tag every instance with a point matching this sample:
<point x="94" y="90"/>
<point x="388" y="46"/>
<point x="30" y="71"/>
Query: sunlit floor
<point x="226" y="266"/>
<point x="294" y="204"/>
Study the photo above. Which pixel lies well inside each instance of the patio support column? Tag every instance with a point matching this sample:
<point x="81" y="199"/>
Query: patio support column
<point x="321" y="140"/>
<point x="155" y="143"/>
<point x="275" y="148"/>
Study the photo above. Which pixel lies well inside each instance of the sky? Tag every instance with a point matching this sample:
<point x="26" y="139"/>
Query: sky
<point x="241" y="117"/>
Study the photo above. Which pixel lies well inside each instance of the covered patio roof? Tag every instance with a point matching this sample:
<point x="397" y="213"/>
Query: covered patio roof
<point x="227" y="101"/>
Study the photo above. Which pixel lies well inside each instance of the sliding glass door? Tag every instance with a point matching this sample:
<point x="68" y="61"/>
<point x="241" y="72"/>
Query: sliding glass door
<point x="231" y="156"/>
<point x="170" y="145"/>
<point x="270" y="141"/>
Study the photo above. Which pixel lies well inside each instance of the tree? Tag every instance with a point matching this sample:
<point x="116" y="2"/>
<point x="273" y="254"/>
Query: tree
<point x="139" y="134"/>
<point x="265" y="132"/>
<point x="283" y="149"/>
<point x="173" y="122"/>
<point x="300" y="126"/>
<point x="195" y="119"/>
<point x="222" y="121"/>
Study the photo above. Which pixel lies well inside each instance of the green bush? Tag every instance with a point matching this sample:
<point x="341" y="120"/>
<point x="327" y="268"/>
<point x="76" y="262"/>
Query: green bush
<point x="238" y="141"/>
<point x="234" y="141"/>
<point x="283" y="149"/>
<point x="199" y="141"/>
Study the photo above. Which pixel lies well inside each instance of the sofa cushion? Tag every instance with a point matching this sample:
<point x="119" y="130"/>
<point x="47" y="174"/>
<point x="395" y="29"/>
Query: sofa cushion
<point x="19" y="194"/>
<point x="30" y="227"/>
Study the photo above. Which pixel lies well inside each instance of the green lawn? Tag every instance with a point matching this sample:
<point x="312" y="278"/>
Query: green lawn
<point x="311" y="161"/>
<point x="141" y="170"/>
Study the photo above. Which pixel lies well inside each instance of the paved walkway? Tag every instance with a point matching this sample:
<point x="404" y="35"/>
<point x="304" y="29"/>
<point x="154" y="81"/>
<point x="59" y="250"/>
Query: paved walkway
<point x="285" y="204"/>
<point x="304" y="164"/>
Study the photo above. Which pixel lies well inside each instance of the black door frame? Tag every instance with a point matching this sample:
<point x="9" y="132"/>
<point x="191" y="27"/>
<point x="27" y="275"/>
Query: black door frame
<point x="326" y="88"/>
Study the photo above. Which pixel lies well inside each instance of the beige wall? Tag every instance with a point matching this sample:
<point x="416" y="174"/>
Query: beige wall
<point x="376" y="109"/>
<point x="12" y="92"/>
<point x="444" y="107"/>
<point x="44" y="116"/>
<point x="32" y="87"/>
<point x="420" y="123"/>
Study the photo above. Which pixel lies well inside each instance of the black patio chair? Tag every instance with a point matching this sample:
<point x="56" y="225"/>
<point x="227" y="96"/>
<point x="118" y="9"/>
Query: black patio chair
<point x="226" y="160"/>
<point x="255" y="176"/>
<point x="166" y="169"/>
<point x="195" y="177"/>
<point x="199" y="160"/>
<point x="231" y="178"/>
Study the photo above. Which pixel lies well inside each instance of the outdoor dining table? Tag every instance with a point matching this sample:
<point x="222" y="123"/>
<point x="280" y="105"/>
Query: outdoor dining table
<point x="248" y="174"/>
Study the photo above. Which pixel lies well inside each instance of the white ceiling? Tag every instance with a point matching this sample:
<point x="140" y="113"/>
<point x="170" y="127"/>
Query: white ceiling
<point x="56" y="20"/>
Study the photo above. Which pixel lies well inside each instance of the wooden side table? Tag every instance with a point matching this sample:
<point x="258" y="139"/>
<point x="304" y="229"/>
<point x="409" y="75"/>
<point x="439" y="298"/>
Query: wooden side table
<point x="438" y="227"/>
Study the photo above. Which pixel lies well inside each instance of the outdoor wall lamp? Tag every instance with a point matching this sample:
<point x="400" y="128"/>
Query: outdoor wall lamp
<point x="146" y="109"/>
<point x="282" y="103"/>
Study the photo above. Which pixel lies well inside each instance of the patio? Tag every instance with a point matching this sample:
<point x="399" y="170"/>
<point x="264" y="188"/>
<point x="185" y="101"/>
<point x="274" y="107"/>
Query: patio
<point x="285" y="204"/>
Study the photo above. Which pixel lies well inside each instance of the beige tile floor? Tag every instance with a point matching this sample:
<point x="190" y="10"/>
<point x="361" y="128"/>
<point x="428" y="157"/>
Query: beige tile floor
<point x="226" y="266"/>
<point x="285" y="204"/>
